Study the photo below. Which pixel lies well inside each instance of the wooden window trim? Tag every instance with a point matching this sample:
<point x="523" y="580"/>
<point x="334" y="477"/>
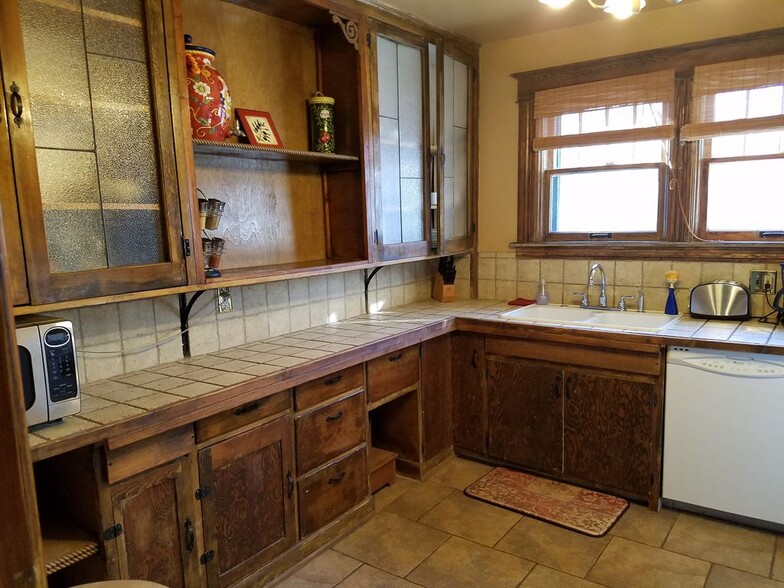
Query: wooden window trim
<point x="678" y="241"/>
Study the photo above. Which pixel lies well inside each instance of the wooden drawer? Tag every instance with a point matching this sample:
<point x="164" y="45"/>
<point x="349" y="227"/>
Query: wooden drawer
<point x="325" y="433"/>
<point x="231" y="420"/>
<point x="317" y="391"/>
<point x="129" y="460"/>
<point x="330" y="492"/>
<point x="392" y="372"/>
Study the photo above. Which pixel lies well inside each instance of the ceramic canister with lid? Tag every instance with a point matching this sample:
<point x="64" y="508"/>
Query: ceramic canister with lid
<point x="322" y="123"/>
<point x="209" y="101"/>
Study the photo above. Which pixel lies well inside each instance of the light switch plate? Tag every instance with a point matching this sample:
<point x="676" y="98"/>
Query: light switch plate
<point x="758" y="280"/>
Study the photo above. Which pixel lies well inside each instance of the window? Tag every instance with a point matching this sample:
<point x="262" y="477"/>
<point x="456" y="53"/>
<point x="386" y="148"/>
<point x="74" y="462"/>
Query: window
<point x="657" y="153"/>
<point x="603" y="149"/>
<point x="738" y="123"/>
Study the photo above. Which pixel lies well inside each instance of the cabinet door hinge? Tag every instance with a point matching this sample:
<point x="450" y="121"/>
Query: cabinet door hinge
<point x="368" y="40"/>
<point x="112" y="532"/>
<point x="375" y="236"/>
<point x="186" y="247"/>
<point x="207" y="557"/>
<point x="202" y="492"/>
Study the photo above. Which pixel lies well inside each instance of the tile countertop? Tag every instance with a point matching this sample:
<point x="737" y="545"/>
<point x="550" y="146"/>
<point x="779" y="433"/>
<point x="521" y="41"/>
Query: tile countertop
<point x="137" y="396"/>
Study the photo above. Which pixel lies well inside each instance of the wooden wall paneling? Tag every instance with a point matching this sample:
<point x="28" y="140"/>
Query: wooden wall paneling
<point x="436" y="387"/>
<point x="21" y="564"/>
<point x="525" y="414"/>
<point x="469" y="419"/>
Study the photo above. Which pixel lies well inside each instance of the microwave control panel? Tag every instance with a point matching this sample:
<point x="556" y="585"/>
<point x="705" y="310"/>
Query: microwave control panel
<point x="60" y="364"/>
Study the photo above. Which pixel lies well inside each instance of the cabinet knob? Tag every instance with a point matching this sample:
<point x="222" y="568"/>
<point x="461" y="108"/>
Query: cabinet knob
<point x="396" y="357"/>
<point x="337" y="479"/>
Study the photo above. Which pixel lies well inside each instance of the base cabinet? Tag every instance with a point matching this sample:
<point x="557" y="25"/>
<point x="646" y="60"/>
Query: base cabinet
<point x="248" y="509"/>
<point x="157" y="526"/>
<point x="468" y="393"/>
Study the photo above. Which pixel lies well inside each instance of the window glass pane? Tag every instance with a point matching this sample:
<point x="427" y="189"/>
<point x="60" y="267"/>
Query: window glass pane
<point x="730" y="105"/>
<point x="616" y="200"/>
<point x="745" y="196"/>
<point x="750" y="144"/>
<point x="612" y="154"/>
<point x="569" y="124"/>
<point x="766" y="101"/>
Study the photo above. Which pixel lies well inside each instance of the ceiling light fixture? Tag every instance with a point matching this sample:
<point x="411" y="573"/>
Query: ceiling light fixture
<point x="618" y="8"/>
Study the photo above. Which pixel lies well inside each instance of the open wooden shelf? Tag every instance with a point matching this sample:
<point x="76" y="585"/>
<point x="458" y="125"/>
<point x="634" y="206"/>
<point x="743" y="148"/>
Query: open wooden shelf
<point x="65" y="544"/>
<point x="290" y="270"/>
<point x="225" y="149"/>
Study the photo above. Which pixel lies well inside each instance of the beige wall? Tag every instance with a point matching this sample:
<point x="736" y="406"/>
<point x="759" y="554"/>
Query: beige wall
<point x="694" y="20"/>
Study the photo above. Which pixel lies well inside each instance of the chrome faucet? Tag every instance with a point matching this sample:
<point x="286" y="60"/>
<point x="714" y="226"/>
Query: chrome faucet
<point x="603" y="284"/>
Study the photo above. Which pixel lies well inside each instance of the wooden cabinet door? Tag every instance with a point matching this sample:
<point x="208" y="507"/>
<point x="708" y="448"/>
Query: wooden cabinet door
<point x="400" y="93"/>
<point x="95" y="167"/>
<point x="609" y="431"/>
<point x="249" y="512"/>
<point x="436" y="384"/>
<point x="161" y="530"/>
<point x="469" y="420"/>
<point x="524" y="413"/>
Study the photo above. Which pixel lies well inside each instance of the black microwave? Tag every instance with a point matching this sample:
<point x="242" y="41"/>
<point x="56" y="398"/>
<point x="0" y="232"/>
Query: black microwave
<point x="50" y="378"/>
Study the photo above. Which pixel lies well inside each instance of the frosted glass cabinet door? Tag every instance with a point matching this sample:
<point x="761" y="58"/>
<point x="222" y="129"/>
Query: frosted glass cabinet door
<point x="455" y="149"/>
<point x="401" y="119"/>
<point x="94" y="152"/>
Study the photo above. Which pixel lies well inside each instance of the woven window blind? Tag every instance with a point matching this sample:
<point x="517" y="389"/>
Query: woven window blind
<point x="713" y="80"/>
<point x="639" y="90"/>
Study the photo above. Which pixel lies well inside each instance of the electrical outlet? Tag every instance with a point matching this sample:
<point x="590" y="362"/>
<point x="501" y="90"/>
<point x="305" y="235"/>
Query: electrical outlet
<point x="224" y="300"/>
<point x="762" y="281"/>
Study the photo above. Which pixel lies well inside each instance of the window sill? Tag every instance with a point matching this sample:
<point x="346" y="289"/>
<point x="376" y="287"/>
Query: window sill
<point x="710" y="251"/>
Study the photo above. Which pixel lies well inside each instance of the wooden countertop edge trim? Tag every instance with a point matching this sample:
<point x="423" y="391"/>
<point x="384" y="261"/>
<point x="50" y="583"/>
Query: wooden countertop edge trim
<point x="189" y="411"/>
<point x="159" y="420"/>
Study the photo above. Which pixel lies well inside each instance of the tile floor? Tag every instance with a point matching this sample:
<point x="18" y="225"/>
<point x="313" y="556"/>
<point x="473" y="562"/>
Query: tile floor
<point x="429" y="534"/>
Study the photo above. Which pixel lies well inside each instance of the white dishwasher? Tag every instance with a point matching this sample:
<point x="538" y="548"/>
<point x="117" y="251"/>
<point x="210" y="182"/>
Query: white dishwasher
<point x="724" y="434"/>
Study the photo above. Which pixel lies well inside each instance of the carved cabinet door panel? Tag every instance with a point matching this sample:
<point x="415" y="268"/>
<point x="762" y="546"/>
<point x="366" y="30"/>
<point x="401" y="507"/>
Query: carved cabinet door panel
<point x="248" y="512"/>
<point x="609" y="431"/>
<point x="524" y="413"/>
<point x="161" y="530"/>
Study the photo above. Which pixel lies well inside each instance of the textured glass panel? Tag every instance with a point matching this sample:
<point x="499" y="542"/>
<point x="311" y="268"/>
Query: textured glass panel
<point x="433" y="67"/>
<point x="80" y="242"/>
<point x="133" y="237"/>
<point x="114" y="27"/>
<point x="449" y="208"/>
<point x="57" y="74"/>
<point x="410" y="100"/>
<point x="413" y="210"/>
<point x="460" y="202"/>
<point x="387" y="77"/>
<point x="461" y="94"/>
<point x="68" y="177"/>
<point x="124" y="135"/>
<point x="449" y="117"/>
<point x="390" y="181"/>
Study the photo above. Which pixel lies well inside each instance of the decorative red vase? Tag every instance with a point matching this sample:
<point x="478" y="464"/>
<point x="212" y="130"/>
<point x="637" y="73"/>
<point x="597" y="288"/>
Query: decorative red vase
<point x="209" y="101"/>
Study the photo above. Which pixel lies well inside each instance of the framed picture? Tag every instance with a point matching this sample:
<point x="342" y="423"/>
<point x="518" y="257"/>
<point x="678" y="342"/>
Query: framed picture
<point x="259" y="128"/>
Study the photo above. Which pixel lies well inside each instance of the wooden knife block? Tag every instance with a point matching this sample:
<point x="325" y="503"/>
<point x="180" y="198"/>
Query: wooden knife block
<point x="443" y="292"/>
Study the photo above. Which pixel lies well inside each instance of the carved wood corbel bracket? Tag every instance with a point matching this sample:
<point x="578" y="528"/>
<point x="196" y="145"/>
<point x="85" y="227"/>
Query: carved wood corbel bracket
<point x="349" y="27"/>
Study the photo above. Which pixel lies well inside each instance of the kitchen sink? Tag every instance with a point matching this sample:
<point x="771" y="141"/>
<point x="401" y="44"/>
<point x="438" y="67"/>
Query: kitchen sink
<point x="572" y="315"/>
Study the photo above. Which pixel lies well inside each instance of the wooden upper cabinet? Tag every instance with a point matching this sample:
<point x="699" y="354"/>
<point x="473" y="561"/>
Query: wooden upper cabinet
<point x="289" y="209"/>
<point x="94" y="141"/>
<point x="400" y="84"/>
<point x="453" y="129"/>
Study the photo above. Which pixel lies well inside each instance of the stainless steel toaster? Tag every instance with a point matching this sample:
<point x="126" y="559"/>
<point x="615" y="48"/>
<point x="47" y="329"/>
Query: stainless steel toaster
<point x="720" y="300"/>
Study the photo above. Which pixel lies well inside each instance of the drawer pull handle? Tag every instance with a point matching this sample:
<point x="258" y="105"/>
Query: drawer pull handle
<point x="396" y="357"/>
<point x="191" y="535"/>
<point x="333" y="380"/>
<point x="337" y="479"/>
<point x="334" y="417"/>
<point x="247" y="408"/>
<point x="290" y="480"/>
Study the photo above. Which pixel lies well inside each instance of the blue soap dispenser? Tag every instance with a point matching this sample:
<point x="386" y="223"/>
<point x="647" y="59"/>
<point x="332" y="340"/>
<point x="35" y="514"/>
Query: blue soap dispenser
<point x="671" y="306"/>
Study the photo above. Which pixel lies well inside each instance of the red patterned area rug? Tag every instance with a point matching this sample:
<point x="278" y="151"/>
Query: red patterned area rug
<point x="571" y="507"/>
